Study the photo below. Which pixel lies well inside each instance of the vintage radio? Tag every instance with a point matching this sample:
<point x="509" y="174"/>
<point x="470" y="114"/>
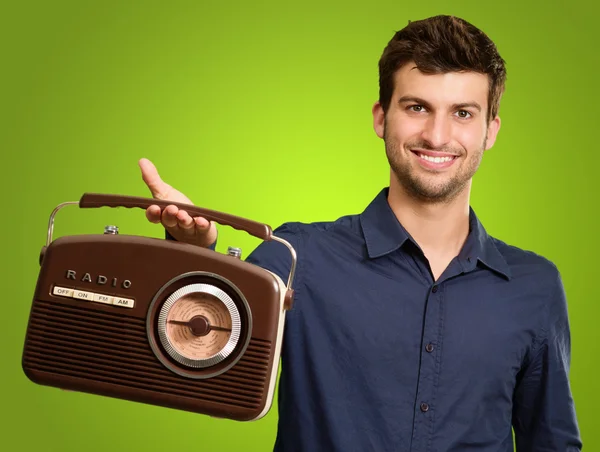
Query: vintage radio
<point x="158" y="321"/>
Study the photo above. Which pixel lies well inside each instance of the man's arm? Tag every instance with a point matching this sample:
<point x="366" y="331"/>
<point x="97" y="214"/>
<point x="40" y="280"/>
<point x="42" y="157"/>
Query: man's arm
<point x="544" y="417"/>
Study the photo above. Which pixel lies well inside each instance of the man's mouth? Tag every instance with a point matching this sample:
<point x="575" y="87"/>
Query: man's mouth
<point x="435" y="159"/>
<point x="429" y="158"/>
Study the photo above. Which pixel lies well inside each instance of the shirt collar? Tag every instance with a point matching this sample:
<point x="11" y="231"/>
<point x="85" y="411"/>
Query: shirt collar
<point x="382" y="231"/>
<point x="383" y="234"/>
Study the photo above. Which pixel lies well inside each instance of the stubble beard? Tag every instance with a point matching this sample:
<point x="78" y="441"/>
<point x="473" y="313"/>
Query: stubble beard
<point x="424" y="188"/>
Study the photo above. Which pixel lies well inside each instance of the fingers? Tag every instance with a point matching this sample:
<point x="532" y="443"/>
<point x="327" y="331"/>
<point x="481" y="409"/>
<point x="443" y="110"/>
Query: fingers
<point x="202" y="223"/>
<point x="185" y="221"/>
<point x="173" y="217"/>
<point x="156" y="185"/>
<point x="191" y="225"/>
<point x="153" y="214"/>
<point x="177" y="222"/>
<point x="169" y="216"/>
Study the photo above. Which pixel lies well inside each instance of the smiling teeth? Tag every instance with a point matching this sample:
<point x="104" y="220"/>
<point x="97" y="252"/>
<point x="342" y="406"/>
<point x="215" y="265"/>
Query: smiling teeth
<point x="435" y="159"/>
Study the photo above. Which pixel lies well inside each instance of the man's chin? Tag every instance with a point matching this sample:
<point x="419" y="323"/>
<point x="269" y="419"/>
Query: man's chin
<point x="430" y="194"/>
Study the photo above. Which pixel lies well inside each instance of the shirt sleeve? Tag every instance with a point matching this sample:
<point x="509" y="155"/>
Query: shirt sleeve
<point x="544" y="418"/>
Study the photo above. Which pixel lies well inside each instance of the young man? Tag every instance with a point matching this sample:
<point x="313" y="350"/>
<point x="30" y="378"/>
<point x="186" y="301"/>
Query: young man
<point x="412" y="328"/>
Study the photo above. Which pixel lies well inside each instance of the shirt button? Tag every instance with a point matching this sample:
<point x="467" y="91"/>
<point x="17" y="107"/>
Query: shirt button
<point x="424" y="407"/>
<point x="429" y="348"/>
<point x="434" y="289"/>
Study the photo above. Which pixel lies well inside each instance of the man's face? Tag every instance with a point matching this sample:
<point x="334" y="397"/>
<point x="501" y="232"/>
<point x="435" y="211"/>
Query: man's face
<point x="436" y="131"/>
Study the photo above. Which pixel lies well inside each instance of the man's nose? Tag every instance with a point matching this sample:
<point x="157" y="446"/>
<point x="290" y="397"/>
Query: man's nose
<point x="437" y="131"/>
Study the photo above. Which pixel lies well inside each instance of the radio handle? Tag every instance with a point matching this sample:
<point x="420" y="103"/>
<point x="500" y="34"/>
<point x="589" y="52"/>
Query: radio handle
<point x="260" y="230"/>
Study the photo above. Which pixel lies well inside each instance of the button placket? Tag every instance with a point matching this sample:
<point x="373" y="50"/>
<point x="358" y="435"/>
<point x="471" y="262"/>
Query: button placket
<point x="427" y="371"/>
<point x="430" y="347"/>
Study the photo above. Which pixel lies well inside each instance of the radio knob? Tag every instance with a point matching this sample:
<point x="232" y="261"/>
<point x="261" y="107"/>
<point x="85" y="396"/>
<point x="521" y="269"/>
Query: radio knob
<point x="235" y="252"/>
<point x="114" y="230"/>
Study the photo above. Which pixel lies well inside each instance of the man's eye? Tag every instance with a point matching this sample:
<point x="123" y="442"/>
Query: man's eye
<point x="463" y="114"/>
<point x="416" y="108"/>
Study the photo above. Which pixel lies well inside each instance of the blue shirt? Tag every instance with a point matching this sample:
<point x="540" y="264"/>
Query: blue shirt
<point x="377" y="356"/>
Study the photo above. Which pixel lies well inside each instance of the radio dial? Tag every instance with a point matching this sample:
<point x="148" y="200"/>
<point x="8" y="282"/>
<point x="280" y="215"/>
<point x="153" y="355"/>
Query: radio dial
<point x="199" y="325"/>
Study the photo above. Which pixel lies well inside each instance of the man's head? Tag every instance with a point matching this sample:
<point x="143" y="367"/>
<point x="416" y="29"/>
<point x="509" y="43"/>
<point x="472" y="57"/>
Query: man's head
<point x="441" y="80"/>
<point x="439" y="45"/>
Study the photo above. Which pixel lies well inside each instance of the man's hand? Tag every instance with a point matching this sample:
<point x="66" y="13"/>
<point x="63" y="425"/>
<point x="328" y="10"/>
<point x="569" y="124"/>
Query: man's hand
<point x="197" y="231"/>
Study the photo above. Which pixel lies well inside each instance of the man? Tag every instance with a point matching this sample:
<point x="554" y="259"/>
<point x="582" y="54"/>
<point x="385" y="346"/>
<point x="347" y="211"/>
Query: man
<point x="412" y="328"/>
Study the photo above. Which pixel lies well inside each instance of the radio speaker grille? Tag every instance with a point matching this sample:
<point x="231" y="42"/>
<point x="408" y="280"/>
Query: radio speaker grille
<point x="73" y="341"/>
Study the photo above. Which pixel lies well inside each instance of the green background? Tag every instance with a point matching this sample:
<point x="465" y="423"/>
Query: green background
<point x="262" y="109"/>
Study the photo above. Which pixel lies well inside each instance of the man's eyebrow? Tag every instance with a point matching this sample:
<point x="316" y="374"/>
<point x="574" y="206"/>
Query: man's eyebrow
<point x="418" y="100"/>
<point x="474" y="105"/>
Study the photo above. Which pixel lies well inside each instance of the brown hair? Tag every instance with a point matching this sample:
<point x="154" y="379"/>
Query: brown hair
<point x="443" y="44"/>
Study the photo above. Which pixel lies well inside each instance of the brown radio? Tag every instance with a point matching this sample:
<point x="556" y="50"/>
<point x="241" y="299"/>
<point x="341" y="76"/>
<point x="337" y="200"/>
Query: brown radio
<point x="158" y="321"/>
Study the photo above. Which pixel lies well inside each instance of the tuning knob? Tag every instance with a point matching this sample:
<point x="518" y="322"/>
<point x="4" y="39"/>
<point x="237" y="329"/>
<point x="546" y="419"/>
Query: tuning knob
<point x="110" y="229"/>
<point x="235" y="252"/>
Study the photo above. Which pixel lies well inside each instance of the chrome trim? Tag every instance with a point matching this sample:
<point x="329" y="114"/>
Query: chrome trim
<point x="294" y="259"/>
<point x="51" y="221"/>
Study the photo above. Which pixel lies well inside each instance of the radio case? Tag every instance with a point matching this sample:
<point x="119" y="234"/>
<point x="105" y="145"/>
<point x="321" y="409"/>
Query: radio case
<point x="102" y="318"/>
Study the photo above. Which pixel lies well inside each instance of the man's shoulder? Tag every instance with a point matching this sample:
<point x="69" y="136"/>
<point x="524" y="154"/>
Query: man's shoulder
<point x="305" y="236"/>
<point x="309" y="240"/>
<point x="526" y="263"/>
<point x="343" y="224"/>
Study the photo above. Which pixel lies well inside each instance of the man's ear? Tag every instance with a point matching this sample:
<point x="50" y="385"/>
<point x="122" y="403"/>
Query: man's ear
<point x="492" y="132"/>
<point x="378" y="119"/>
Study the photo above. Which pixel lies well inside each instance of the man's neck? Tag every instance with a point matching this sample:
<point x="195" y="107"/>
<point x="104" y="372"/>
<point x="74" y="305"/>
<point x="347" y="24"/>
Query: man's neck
<point x="439" y="229"/>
